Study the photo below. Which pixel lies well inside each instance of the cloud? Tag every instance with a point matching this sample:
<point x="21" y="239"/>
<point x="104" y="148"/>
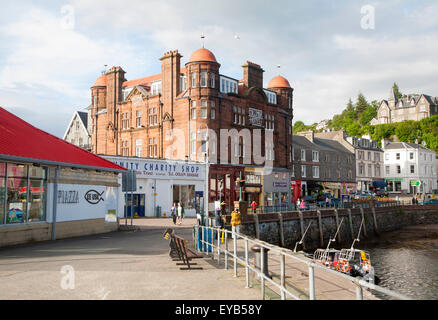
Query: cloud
<point x="370" y="66"/>
<point x="321" y="48"/>
<point x="52" y="61"/>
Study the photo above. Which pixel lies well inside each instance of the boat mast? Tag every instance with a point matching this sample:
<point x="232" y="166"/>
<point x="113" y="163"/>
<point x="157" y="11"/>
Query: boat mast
<point x="334" y="238"/>
<point x="358" y="234"/>
<point x="301" y="241"/>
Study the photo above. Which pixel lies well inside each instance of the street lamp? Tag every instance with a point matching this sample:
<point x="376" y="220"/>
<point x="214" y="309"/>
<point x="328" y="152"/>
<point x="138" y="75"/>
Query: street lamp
<point x="206" y="172"/>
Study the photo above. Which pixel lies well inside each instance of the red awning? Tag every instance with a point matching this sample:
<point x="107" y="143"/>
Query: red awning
<point x="20" y="141"/>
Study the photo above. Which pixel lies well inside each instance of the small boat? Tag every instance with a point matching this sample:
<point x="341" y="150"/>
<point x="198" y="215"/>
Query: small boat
<point x="328" y="257"/>
<point x="356" y="262"/>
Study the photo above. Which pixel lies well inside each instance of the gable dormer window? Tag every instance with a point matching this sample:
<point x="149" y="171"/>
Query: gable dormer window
<point x="126" y="92"/>
<point x="227" y="85"/>
<point x="272" y="96"/>
<point x="155" y="88"/>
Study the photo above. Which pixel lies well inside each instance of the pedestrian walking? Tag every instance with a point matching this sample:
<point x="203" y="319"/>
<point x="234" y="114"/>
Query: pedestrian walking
<point x="179" y="208"/>
<point x="173" y="213"/>
<point x="235" y="221"/>
<point x="254" y="206"/>
<point x="219" y="220"/>
<point x="303" y="205"/>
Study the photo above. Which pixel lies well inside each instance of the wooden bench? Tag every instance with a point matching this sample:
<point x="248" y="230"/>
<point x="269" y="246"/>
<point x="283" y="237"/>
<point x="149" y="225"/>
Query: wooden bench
<point x="183" y="253"/>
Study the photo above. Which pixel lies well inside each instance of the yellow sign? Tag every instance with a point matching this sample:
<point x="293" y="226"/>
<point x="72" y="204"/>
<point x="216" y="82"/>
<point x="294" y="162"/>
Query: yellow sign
<point x="363" y="255"/>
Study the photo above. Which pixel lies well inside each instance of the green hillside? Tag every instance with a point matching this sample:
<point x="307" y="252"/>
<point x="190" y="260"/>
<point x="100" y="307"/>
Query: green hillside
<point x="355" y="120"/>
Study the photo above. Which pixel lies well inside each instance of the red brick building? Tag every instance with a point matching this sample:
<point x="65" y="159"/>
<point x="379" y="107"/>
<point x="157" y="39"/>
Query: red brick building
<point x="166" y="115"/>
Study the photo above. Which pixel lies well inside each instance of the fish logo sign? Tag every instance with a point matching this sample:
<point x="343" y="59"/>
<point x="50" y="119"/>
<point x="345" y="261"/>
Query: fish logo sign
<point x="93" y="197"/>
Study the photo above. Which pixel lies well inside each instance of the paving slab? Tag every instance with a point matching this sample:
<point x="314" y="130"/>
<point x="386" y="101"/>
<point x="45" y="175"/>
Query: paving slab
<point x="131" y="265"/>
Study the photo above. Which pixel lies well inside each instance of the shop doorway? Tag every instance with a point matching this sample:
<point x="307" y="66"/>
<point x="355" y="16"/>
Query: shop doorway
<point x="138" y="205"/>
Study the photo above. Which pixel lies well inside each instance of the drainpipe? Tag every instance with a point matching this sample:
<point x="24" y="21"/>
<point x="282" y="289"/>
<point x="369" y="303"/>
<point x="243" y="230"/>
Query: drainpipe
<point x="55" y="203"/>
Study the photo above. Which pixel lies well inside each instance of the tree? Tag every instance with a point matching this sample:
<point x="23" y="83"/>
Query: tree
<point x="361" y="105"/>
<point x="353" y="129"/>
<point x="396" y="90"/>
<point x="369" y="113"/>
<point x="299" y="126"/>
<point x="407" y="131"/>
<point x="383" y="131"/>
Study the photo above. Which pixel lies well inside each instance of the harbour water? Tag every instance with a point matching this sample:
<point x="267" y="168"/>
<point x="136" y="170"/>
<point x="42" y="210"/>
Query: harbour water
<point x="406" y="260"/>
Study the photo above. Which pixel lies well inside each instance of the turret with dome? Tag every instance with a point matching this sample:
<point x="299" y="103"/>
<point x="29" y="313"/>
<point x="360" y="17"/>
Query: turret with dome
<point x="201" y="55"/>
<point x="281" y="86"/>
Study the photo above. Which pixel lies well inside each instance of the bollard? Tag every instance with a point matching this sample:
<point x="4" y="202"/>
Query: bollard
<point x="359" y="293"/>
<point x="257" y="249"/>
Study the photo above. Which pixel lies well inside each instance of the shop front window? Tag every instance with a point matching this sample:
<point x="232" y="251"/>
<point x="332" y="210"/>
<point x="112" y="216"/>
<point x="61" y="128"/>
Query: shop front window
<point x="269" y="199"/>
<point x="25" y="188"/>
<point x="276" y="197"/>
<point x="37" y="194"/>
<point x="184" y="194"/>
<point x="2" y="192"/>
<point x="284" y="197"/>
<point x="17" y="194"/>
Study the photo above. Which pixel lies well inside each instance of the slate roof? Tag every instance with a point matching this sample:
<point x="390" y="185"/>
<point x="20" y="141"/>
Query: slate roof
<point x="319" y="143"/>
<point x="84" y="117"/>
<point x="404" y="145"/>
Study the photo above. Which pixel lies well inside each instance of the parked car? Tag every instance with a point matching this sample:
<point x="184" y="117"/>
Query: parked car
<point x="381" y="193"/>
<point x="366" y="195"/>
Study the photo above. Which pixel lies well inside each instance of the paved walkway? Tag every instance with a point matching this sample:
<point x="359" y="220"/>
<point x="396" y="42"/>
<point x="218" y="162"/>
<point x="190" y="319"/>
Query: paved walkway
<point x="118" y="265"/>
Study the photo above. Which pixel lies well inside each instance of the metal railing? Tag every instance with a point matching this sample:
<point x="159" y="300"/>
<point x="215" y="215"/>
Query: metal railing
<point x="209" y="247"/>
<point x="340" y="205"/>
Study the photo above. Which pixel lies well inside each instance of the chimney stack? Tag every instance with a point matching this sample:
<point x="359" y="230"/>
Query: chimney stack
<point x="252" y="75"/>
<point x="385" y="142"/>
<point x="309" y="135"/>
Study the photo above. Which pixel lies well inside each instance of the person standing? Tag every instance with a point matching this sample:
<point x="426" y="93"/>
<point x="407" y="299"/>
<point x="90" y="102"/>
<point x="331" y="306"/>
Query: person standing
<point x="235" y="221"/>
<point x="219" y="220"/>
<point x="173" y="213"/>
<point x="298" y="203"/>
<point x="179" y="220"/>
<point x="303" y="205"/>
<point x="253" y="206"/>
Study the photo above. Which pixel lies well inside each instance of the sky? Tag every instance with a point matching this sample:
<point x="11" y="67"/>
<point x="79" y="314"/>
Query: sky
<point x="51" y="52"/>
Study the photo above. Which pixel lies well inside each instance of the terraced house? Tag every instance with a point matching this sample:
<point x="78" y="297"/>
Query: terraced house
<point x="368" y="156"/>
<point x="321" y="164"/>
<point x="166" y="116"/>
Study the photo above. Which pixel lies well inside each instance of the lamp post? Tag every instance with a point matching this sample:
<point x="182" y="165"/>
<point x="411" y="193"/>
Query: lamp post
<point x="240" y="189"/>
<point x="206" y="175"/>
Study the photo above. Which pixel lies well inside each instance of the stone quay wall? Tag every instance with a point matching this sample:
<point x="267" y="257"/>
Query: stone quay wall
<point x="286" y="228"/>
